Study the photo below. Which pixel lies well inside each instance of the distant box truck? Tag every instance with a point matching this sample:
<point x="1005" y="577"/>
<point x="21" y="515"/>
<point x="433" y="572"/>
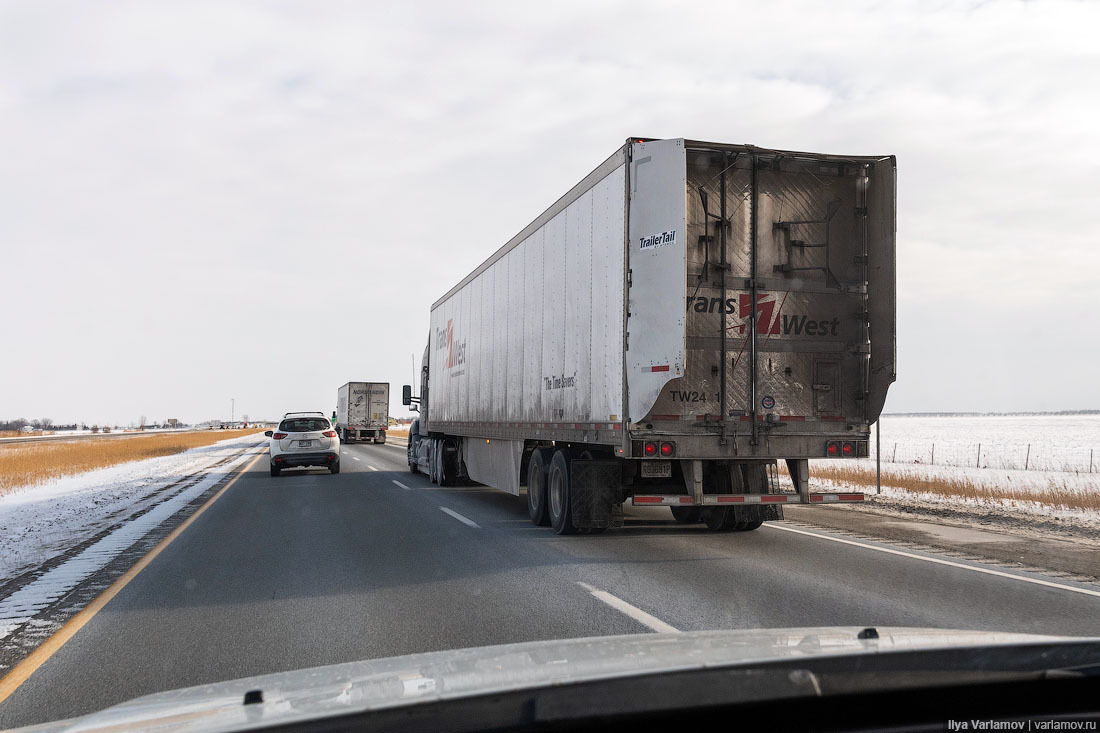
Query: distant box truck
<point x="363" y="411"/>
<point x="686" y="316"/>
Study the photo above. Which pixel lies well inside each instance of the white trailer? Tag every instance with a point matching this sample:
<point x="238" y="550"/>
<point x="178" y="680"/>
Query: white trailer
<point x="363" y="411"/>
<point x="687" y="315"/>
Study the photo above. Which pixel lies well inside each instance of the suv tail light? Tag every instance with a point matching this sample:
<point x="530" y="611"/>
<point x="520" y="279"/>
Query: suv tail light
<point x="279" y="436"/>
<point x="329" y="433"/>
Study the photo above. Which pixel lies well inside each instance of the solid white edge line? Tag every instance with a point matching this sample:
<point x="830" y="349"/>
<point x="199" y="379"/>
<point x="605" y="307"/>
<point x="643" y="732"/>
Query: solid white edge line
<point x="406" y="488"/>
<point x="459" y="517"/>
<point x="633" y="612"/>
<point x="938" y="561"/>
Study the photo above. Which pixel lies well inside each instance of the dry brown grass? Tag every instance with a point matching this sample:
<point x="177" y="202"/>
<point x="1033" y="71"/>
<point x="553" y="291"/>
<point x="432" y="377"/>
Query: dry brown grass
<point x="1056" y="494"/>
<point x="397" y="432"/>
<point x="36" y="463"/>
<point x="18" y="433"/>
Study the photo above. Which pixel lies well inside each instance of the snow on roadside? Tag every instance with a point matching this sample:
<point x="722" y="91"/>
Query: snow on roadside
<point x="1040" y="483"/>
<point x="41" y="521"/>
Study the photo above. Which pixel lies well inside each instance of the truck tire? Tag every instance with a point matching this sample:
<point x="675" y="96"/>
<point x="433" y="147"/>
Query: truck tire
<point x="381" y="439"/>
<point x="558" y="498"/>
<point x="537" y="470"/>
<point x="441" y="471"/>
<point x="721" y="518"/>
<point x="448" y="467"/>
<point x="687" y="514"/>
<point x="433" y="460"/>
<point x="756" y="482"/>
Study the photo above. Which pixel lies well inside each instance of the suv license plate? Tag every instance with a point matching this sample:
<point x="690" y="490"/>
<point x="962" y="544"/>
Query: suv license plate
<point x="656" y="469"/>
<point x="305" y="443"/>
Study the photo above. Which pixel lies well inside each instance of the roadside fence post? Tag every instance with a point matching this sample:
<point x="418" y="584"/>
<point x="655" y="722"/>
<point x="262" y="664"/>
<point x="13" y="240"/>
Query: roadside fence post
<point x="878" y="456"/>
<point x="1090" y="460"/>
<point x="1027" y="458"/>
<point x="894" y="459"/>
<point x="978" y="463"/>
<point x="933" y="454"/>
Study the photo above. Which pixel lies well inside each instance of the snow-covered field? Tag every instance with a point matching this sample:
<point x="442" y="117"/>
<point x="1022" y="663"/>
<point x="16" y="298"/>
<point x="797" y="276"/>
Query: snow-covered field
<point x="1066" y="443"/>
<point x="1055" y="450"/>
<point x="39" y="522"/>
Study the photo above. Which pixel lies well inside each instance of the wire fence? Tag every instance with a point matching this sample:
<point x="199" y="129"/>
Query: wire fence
<point x="1018" y="456"/>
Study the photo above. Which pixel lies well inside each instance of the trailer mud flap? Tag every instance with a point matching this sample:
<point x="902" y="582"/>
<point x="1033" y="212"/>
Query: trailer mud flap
<point x="596" y="494"/>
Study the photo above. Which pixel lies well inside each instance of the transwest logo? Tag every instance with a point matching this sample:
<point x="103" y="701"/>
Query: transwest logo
<point x="767" y="315"/>
<point x="657" y="240"/>
<point x="456" y="350"/>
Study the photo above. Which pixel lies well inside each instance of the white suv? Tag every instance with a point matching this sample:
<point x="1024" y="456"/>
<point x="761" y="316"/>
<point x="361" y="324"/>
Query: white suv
<point x="304" y="439"/>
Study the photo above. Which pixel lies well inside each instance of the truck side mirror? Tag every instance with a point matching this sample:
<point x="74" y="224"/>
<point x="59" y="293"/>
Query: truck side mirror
<point x="406" y="394"/>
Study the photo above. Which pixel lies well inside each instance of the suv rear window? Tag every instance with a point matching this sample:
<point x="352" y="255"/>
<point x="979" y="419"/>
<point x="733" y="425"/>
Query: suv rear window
<point x="304" y="425"/>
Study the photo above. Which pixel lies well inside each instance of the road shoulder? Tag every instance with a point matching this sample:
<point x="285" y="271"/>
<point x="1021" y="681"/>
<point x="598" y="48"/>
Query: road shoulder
<point x="989" y="541"/>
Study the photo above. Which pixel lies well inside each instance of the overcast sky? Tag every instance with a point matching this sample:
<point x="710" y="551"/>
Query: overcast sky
<point x="260" y="201"/>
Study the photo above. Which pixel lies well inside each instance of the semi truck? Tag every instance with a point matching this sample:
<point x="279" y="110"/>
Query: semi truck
<point x="685" y="317"/>
<point x="363" y="411"/>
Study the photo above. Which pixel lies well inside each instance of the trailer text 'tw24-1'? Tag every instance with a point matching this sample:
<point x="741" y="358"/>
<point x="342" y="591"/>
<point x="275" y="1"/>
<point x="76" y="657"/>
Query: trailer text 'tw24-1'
<point x="683" y="318"/>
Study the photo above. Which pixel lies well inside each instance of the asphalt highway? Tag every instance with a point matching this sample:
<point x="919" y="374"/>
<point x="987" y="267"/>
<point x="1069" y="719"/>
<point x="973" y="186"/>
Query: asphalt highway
<point x="311" y="568"/>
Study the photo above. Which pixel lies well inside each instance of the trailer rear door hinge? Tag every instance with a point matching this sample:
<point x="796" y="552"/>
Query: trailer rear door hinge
<point x="629" y="278"/>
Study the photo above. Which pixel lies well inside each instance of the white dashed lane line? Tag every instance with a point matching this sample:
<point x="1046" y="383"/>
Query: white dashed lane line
<point x="406" y="488"/>
<point x="354" y="458"/>
<point x="645" y="619"/>
<point x="459" y="517"/>
<point x="371" y="467"/>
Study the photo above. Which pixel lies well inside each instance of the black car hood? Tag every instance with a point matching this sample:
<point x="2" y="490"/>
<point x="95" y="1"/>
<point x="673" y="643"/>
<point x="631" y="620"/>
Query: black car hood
<point x="377" y="684"/>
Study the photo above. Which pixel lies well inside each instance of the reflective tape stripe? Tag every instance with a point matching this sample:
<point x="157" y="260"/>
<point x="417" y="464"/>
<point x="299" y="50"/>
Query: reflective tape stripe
<point x="712" y="499"/>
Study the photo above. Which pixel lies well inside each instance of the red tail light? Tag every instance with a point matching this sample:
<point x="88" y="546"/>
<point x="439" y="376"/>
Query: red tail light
<point x="651" y="449"/>
<point x="668" y="449"/>
<point x="329" y="433"/>
<point x="849" y="449"/>
<point x="279" y="436"/>
<point x="833" y="449"/>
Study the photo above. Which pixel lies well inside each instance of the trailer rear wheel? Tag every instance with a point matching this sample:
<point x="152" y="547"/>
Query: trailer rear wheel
<point x="756" y="482"/>
<point x="721" y="518"/>
<point x="687" y="514"/>
<point x="537" y="470"/>
<point x="558" y="495"/>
